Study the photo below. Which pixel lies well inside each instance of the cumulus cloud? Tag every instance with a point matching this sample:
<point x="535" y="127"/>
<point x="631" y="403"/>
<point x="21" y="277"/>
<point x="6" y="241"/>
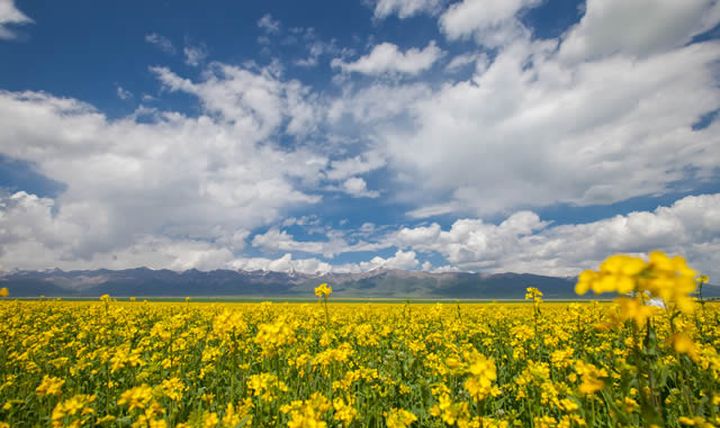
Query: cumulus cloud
<point x="286" y="263"/>
<point x="403" y="260"/>
<point x="169" y="180"/>
<point x="525" y="243"/>
<point x="406" y="8"/>
<point x="357" y="188"/>
<point x="387" y="58"/>
<point x="34" y="236"/>
<point x="532" y="130"/>
<point x="10" y="17"/>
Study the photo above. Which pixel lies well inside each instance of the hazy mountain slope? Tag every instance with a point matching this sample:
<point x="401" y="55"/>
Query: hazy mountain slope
<point x="375" y="284"/>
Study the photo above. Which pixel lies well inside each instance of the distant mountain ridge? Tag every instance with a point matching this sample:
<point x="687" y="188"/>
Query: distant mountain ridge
<point x="396" y="284"/>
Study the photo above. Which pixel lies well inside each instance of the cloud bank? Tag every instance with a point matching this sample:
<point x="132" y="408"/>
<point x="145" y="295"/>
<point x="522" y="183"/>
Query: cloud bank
<point x="483" y="121"/>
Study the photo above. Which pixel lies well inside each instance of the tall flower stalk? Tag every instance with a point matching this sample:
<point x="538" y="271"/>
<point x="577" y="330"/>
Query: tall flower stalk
<point x="323" y="291"/>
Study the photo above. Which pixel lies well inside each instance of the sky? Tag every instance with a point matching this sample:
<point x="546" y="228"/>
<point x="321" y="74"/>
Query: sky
<point x="490" y="136"/>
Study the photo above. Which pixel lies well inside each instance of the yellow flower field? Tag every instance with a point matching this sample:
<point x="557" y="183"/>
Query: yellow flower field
<point x="132" y="363"/>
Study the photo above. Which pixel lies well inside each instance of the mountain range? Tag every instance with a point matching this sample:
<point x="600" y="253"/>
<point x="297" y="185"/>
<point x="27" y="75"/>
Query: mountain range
<point x="380" y="283"/>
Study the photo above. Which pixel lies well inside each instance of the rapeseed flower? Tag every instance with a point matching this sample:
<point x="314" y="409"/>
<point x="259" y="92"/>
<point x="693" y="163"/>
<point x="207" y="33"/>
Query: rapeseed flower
<point x="267" y="386"/>
<point x="50" y="386"/>
<point x="345" y="411"/>
<point x="483" y="374"/>
<point x="466" y="365"/>
<point x="308" y="413"/>
<point x="73" y="409"/>
<point x="323" y="290"/>
<point x="591" y="377"/>
<point x="399" y="418"/>
<point x="138" y="397"/>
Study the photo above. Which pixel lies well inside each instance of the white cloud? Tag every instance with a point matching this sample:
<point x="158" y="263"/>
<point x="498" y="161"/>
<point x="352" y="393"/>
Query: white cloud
<point x="257" y="103"/>
<point x="637" y="28"/>
<point x="317" y="48"/>
<point x="343" y="169"/>
<point x="418" y="236"/>
<point x="286" y="263"/>
<point x="275" y="240"/>
<point x="357" y="188"/>
<point x="172" y="182"/>
<point x="463" y="60"/>
<point x="376" y="103"/>
<point x="434" y="210"/>
<point x="532" y="130"/>
<point x="123" y="93"/>
<point x="406" y="8"/>
<point x="600" y="115"/>
<point x="491" y="22"/>
<point x="470" y="242"/>
<point x="525" y="243"/>
<point x="268" y="24"/>
<point x="11" y="16"/>
<point x="404" y="260"/>
<point x="195" y="54"/>
<point x="279" y="240"/>
<point x="314" y="51"/>
<point x="310" y="46"/>
<point x="36" y="237"/>
<point x="386" y="58"/>
<point x="33" y="237"/>
<point x="161" y="42"/>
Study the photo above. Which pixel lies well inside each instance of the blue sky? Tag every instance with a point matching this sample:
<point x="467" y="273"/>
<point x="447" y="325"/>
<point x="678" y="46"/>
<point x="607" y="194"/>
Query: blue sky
<point x="481" y="135"/>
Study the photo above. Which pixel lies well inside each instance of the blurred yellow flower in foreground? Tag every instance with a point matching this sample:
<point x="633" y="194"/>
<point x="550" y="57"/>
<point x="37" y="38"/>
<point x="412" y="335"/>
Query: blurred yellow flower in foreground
<point x="323" y="290"/>
<point x="669" y="279"/>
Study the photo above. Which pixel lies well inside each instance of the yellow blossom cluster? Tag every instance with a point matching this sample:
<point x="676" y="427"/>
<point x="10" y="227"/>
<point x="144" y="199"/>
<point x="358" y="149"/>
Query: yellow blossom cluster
<point x="669" y="279"/>
<point x="307" y="413"/>
<point x="273" y="336"/>
<point x="323" y="290"/>
<point x="399" y="418"/>
<point x="50" y="385"/>
<point x="483" y="374"/>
